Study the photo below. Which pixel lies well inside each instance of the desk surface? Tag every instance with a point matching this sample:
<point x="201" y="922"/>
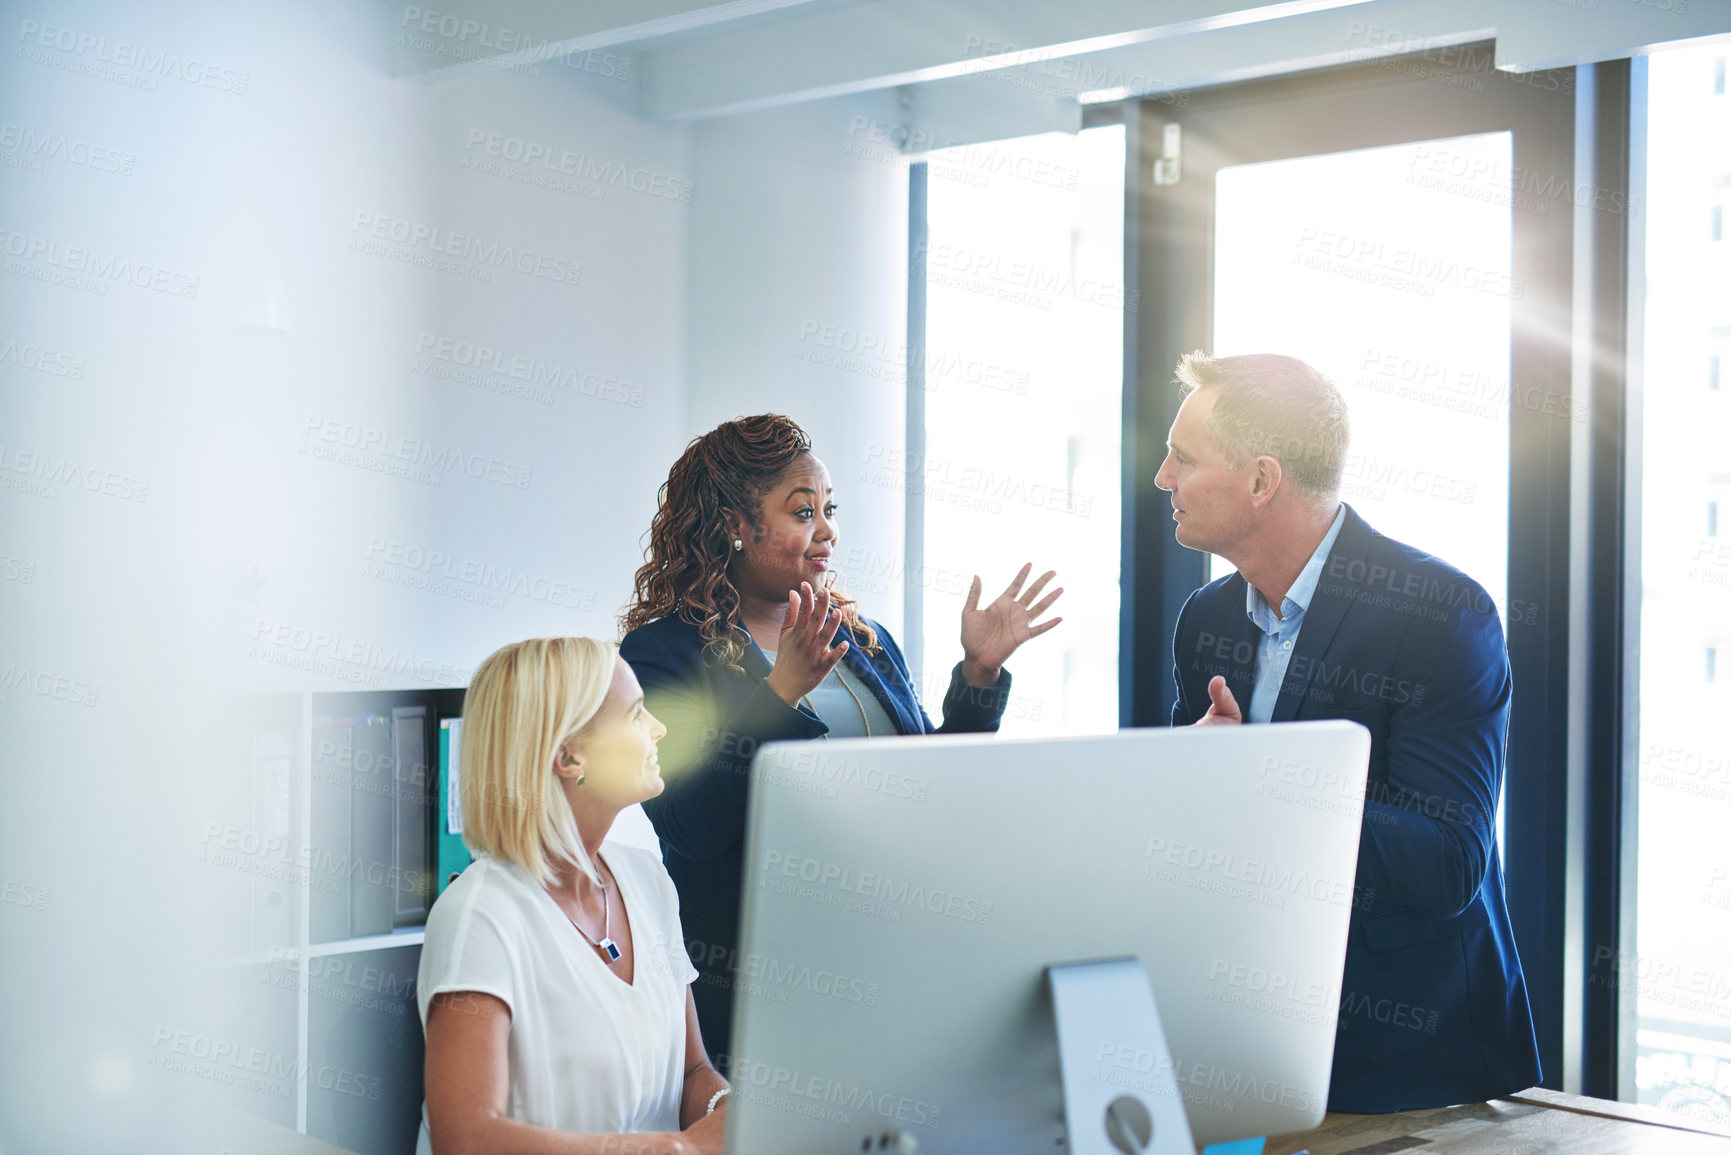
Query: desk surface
<point x="1535" y="1122"/>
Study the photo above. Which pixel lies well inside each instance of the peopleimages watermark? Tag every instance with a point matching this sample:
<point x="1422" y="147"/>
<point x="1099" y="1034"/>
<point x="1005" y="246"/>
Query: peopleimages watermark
<point x="1482" y="178"/>
<point x="878" y="573"/>
<point x="1711" y="562"/>
<point x="463" y="38"/>
<point x="1376" y="262"/>
<point x="272" y="856"/>
<point x="31" y="146"/>
<point x="563" y="169"/>
<point x="1017" y="282"/>
<point x="364" y="447"/>
<point x="1388" y="1011"/>
<point x="1686" y="771"/>
<point x="968" y="484"/>
<point x="1673" y="983"/>
<point x="1302" y="784"/>
<point x="17" y="569"/>
<point x="68" y="688"/>
<point x="1717" y="892"/>
<point x="18" y="893"/>
<point x="1128" y="1065"/>
<point x="1039" y="71"/>
<point x="339" y="979"/>
<point x="495" y="370"/>
<point x="121" y="61"/>
<point x="1275" y="993"/>
<point x="461" y="254"/>
<point x="1459" y="389"/>
<point x="874" y="355"/>
<point x="865" y="891"/>
<point x="1235" y="876"/>
<point x="329" y="652"/>
<point x="251" y="1068"/>
<point x="407" y="564"/>
<point x="36" y="473"/>
<point x="766" y="976"/>
<point x="41" y="359"/>
<point x="828" y="1099"/>
<point x="1457" y="65"/>
<point x="87" y="269"/>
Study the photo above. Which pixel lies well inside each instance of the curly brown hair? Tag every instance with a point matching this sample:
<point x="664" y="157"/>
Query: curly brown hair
<point x="685" y="571"/>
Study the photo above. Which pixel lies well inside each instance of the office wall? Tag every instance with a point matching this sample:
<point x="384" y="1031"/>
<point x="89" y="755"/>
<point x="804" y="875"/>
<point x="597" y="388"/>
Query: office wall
<point x="798" y="304"/>
<point x="252" y="443"/>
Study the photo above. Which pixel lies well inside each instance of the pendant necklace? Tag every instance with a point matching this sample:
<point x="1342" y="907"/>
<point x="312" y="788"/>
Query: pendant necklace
<point x="607" y="948"/>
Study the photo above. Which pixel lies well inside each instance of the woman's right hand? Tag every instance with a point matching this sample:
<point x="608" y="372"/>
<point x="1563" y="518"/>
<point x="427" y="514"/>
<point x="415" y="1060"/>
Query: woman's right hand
<point x="804" y="656"/>
<point x="707" y="1136"/>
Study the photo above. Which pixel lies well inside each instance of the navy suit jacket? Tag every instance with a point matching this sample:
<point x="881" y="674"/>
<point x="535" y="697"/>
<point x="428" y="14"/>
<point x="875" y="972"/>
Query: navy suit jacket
<point x="1433" y="1004"/>
<point x="716" y="719"/>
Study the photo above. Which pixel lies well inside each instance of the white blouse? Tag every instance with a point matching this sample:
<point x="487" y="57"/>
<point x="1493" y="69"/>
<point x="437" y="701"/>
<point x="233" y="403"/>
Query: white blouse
<point x="587" y="1052"/>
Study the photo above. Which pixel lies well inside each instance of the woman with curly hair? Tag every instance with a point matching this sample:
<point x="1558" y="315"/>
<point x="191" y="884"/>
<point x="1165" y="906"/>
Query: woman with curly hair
<point x="739" y="638"/>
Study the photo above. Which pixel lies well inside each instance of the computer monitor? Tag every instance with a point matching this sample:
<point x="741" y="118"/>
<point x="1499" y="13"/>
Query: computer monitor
<point x="904" y="897"/>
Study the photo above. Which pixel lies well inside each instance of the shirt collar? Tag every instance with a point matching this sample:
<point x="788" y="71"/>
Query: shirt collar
<point x="1297" y="598"/>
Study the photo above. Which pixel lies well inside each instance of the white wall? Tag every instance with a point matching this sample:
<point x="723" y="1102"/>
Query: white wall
<point x="798" y="290"/>
<point x="226" y="558"/>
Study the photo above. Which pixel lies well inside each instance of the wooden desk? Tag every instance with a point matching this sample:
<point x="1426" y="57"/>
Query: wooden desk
<point x="1534" y="1122"/>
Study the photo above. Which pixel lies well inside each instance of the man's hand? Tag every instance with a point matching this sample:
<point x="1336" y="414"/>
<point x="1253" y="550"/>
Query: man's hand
<point x="1222" y="707"/>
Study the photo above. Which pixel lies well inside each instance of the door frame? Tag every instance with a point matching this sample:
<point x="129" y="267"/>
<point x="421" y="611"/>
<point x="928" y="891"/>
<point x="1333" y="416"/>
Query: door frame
<point x="1169" y="240"/>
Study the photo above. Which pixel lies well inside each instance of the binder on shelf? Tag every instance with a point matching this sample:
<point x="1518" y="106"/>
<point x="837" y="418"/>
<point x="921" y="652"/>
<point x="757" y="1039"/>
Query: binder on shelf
<point x="410" y="784"/>
<point x="372" y="828"/>
<point x="452" y="853"/>
<point x="328" y="829"/>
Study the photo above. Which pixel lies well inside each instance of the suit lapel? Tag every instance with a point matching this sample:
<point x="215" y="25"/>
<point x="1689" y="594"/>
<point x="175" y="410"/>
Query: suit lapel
<point x="867" y="671"/>
<point x="1336" y="590"/>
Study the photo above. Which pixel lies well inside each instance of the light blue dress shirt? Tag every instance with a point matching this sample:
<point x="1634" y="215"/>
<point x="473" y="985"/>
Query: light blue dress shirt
<point x="1280" y="635"/>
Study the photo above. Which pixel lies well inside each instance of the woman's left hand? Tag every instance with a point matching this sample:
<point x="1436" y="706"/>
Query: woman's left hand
<point x="991" y="635"/>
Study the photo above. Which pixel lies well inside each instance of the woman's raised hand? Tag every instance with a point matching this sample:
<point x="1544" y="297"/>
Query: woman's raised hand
<point x="804" y="656"/>
<point x="991" y="635"/>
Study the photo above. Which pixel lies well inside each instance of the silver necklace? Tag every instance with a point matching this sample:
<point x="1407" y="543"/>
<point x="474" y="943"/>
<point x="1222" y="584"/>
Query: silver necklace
<point x="607" y="947"/>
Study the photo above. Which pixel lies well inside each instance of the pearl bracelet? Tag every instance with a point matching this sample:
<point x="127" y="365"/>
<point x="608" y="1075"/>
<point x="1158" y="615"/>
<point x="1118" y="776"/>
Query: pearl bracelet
<point x="716" y="1098"/>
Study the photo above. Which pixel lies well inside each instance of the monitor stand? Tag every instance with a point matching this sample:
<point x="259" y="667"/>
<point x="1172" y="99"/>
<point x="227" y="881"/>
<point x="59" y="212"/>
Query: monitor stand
<point x="1120" y="1089"/>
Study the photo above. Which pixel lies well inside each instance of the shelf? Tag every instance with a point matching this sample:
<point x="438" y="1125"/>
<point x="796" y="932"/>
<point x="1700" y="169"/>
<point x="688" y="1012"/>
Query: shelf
<point x="408" y="936"/>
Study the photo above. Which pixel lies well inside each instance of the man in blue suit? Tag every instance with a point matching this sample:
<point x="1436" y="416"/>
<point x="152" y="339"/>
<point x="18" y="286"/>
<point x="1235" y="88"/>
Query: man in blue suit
<point x="1327" y="618"/>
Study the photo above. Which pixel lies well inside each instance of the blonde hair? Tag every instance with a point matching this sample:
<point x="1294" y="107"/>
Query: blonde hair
<point x="526" y="700"/>
<point x="1275" y="405"/>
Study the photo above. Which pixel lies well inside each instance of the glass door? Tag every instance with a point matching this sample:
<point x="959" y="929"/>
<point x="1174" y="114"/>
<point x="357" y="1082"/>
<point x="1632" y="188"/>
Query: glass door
<point x="1407" y="230"/>
<point x="1397" y="285"/>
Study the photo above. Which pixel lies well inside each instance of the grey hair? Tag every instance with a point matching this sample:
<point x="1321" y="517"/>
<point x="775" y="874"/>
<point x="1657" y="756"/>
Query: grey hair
<point x="1275" y="405"/>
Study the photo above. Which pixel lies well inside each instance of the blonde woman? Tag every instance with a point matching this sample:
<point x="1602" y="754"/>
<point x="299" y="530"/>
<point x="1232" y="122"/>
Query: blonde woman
<point x="553" y="985"/>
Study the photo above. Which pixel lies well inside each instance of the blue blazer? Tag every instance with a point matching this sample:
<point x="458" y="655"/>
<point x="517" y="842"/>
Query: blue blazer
<point x="1433" y="1005"/>
<point x="716" y="719"/>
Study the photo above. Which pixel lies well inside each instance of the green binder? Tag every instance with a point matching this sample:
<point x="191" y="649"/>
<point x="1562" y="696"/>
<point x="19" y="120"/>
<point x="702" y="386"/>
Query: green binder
<point x="452" y="854"/>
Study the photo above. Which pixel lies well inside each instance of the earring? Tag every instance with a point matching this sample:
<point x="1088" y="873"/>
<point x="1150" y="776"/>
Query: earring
<point x="738" y="545"/>
<point x="582" y="778"/>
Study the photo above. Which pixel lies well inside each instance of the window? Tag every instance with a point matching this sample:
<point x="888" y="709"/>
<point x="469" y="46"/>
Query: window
<point x="1424" y="363"/>
<point x="1682" y="957"/>
<point x="1024" y="400"/>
